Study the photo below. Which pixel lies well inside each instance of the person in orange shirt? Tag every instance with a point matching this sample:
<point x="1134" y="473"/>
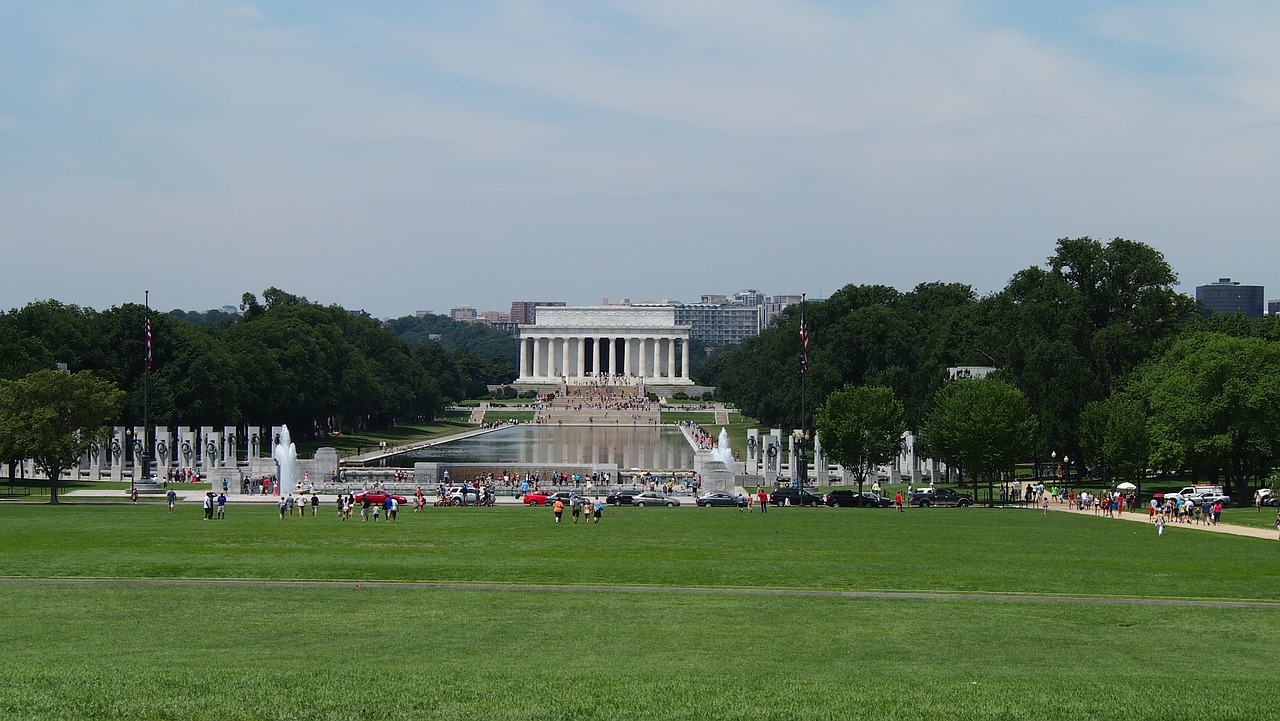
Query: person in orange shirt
<point x="559" y="509"/>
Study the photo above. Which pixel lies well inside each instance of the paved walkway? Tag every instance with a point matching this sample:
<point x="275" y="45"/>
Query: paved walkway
<point x="1142" y="517"/>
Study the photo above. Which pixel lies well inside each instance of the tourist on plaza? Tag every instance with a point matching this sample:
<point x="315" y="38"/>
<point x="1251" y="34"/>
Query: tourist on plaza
<point x="133" y="495"/>
<point x="599" y="510"/>
<point x="742" y="503"/>
<point x="281" y="504"/>
<point x="315" y="504"/>
<point x="558" y="509"/>
<point x="577" y="508"/>
<point x="376" y="508"/>
<point x="764" y="499"/>
<point x="172" y="497"/>
<point x="897" y="500"/>
<point x="1160" y="526"/>
<point x="393" y="507"/>
<point x="364" y="508"/>
<point x="222" y="505"/>
<point x="207" y="504"/>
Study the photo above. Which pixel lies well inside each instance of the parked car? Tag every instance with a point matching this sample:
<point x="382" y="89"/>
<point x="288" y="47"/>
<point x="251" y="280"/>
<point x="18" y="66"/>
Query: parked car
<point x="926" y="497"/>
<point x="653" y="498"/>
<point x="717" y="498"/>
<point x="378" y="498"/>
<point x="535" y="498"/>
<point x="464" y="496"/>
<point x="797" y="497"/>
<point x="621" y="498"/>
<point x="847" y="497"/>
<point x="565" y="497"/>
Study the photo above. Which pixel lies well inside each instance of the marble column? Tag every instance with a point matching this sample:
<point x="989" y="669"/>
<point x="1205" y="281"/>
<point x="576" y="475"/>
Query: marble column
<point x="628" y="345"/>
<point x="642" y="350"/>
<point x="684" y="357"/>
<point x="582" y="356"/>
<point x="524" y="347"/>
<point x="671" y="358"/>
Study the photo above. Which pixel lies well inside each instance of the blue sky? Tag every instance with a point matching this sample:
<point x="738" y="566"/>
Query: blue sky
<point x="405" y="156"/>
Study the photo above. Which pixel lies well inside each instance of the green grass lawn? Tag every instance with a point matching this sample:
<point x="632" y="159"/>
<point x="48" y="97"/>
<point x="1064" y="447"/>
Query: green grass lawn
<point x="267" y="652"/>
<point x="505" y="414"/>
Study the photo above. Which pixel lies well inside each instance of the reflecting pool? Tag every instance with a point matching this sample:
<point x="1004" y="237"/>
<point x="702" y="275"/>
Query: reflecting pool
<point x="645" y="447"/>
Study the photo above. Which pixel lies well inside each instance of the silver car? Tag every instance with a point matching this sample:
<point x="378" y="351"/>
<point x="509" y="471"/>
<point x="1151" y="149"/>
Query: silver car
<point x="653" y="498"/>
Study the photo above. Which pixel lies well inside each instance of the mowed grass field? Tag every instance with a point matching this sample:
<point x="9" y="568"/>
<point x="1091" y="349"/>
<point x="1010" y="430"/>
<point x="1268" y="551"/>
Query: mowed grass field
<point x="386" y="650"/>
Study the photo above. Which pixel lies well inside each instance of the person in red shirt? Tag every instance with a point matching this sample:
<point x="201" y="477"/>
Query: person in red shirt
<point x="764" y="499"/>
<point x="897" y="500"/>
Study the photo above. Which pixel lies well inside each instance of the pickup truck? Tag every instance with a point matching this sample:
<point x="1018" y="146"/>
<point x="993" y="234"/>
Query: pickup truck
<point x="926" y="497"/>
<point x="1200" y="494"/>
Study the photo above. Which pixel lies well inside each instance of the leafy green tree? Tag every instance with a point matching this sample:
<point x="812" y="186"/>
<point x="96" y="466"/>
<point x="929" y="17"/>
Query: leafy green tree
<point x="53" y="418"/>
<point x="983" y="426"/>
<point x="1212" y="407"/>
<point x="861" y="427"/>
<point x="1067" y="334"/>
<point x="1114" y="431"/>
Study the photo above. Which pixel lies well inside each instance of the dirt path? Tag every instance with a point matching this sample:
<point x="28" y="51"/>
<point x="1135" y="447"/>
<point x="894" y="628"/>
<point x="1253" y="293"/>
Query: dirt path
<point x="1142" y="517"/>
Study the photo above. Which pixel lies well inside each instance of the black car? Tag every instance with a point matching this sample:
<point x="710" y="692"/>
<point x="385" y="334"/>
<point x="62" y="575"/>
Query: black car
<point x="926" y="497"/>
<point x="798" y="497"/>
<point x="850" y="498"/>
<point x="622" y="498"/>
<point x="717" y="498"/>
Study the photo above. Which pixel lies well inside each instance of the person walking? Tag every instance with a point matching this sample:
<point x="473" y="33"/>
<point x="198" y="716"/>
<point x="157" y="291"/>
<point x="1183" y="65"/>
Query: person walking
<point x="897" y="500"/>
<point x="133" y="495"/>
<point x="742" y="503"/>
<point x="222" y="506"/>
<point x="599" y="510"/>
<point x="172" y="497"/>
<point x="576" y="505"/>
<point x="558" y="509"/>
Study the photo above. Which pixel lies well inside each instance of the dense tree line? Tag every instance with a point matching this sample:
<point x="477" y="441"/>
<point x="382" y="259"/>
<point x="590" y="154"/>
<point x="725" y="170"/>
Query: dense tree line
<point x="285" y="359"/>
<point x="1109" y="358"/>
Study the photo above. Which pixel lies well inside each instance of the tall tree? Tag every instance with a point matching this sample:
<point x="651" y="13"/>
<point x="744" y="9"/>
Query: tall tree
<point x="1213" y="399"/>
<point x="53" y="418"/>
<point x="861" y="428"/>
<point x="983" y="426"/>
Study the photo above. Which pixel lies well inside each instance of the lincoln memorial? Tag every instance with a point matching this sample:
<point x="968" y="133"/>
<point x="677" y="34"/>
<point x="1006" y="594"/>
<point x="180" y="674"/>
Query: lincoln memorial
<point x="568" y="345"/>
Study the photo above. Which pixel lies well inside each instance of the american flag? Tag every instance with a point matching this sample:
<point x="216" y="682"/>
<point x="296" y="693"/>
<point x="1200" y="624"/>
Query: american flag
<point x="804" y="345"/>
<point x="148" y="344"/>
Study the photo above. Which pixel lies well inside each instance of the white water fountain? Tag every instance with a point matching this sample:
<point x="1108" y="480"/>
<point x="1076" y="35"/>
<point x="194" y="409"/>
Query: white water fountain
<point x="722" y="452"/>
<point x="286" y="456"/>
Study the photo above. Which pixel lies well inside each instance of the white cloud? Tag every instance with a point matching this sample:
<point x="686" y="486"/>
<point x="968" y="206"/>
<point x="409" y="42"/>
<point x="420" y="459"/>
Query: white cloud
<point x="246" y="11"/>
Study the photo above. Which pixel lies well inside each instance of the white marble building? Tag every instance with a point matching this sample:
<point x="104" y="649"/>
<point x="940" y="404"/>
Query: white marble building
<point x="575" y="343"/>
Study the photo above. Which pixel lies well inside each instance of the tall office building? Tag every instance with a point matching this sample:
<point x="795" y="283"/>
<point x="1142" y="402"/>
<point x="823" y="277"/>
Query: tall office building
<point x="1227" y="296"/>
<point x="524" y="312"/>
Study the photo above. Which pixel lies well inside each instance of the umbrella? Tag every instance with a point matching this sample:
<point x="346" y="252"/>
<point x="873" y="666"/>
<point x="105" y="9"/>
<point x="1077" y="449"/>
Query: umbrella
<point x="1126" y="486"/>
<point x="1157" y="495"/>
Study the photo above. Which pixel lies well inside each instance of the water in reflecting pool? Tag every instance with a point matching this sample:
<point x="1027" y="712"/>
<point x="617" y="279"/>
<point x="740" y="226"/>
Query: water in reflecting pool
<point x="646" y="447"/>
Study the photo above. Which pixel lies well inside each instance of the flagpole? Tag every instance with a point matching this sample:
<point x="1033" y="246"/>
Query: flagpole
<point x="804" y="368"/>
<point x="146" y="378"/>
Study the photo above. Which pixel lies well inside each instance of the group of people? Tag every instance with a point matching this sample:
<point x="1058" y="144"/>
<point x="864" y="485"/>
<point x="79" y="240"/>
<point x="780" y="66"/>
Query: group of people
<point x="289" y="503"/>
<point x="580" y="506"/>
<point x="1188" y="511"/>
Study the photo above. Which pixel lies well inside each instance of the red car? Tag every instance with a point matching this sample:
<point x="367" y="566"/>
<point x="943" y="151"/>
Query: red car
<point x="379" y="498"/>
<point x="535" y="498"/>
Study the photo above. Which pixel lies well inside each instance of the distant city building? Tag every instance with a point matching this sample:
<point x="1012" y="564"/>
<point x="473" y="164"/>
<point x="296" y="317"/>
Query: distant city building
<point x="494" y="318"/>
<point x="749" y="297"/>
<point x="1227" y="297"/>
<point x="524" y="312"/>
<point x="773" y="306"/>
<point x="718" y="324"/>
<point x="463" y="313"/>
<point x="964" y="372"/>
<point x="423" y="313"/>
<point x="1273" y="307"/>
